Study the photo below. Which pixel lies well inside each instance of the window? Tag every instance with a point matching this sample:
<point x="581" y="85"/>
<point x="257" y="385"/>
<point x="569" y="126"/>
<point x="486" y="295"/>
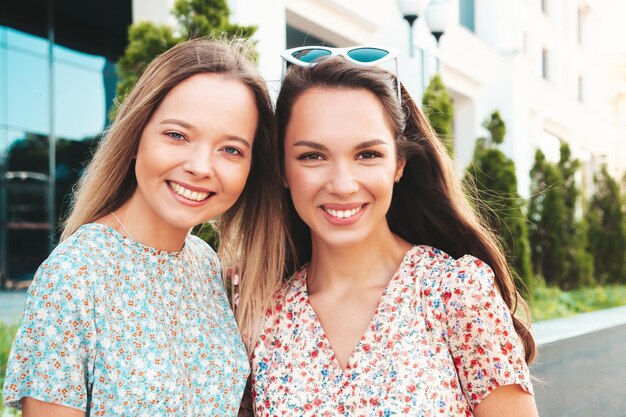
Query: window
<point x="580" y="19"/>
<point x="544" y="64"/>
<point x="580" y="90"/>
<point x="466" y="14"/>
<point x="296" y="37"/>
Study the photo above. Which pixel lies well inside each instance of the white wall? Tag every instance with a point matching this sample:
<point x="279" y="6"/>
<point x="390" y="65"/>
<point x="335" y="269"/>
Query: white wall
<point x="496" y="68"/>
<point x="153" y="11"/>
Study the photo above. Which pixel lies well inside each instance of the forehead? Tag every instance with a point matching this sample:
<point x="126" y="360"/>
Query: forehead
<point x="341" y="114"/>
<point x="208" y="86"/>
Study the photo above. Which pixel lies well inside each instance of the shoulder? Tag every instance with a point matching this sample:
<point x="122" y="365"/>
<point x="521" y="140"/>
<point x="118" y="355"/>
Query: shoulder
<point x="198" y="247"/>
<point x="84" y="241"/>
<point x="293" y="291"/>
<point x="197" y="243"/>
<point x="288" y="301"/>
<point x="285" y="313"/>
<point x="201" y="255"/>
<point x="445" y="284"/>
<point x="440" y="270"/>
<point x="77" y="256"/>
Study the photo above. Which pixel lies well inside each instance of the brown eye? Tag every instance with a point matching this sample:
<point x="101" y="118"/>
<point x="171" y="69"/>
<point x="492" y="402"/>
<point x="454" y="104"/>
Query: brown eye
<point x="369" y="155"/>
<point x="311" y="157"/>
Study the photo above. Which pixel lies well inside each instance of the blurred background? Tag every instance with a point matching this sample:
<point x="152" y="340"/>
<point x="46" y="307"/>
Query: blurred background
<point x="529" y="97"/>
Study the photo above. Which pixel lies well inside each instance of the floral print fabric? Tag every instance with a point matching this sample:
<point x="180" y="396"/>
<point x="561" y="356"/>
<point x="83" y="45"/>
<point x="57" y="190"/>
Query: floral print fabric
<point x="440" y="341"/>
<point x="116" y="328"/>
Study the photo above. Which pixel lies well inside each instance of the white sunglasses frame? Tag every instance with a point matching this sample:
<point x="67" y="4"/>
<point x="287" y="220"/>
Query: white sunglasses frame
<point x="287" y="56"/>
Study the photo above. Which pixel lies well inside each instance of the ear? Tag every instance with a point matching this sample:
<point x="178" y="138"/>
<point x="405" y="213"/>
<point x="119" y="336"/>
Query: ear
<point x="399" y="170"/>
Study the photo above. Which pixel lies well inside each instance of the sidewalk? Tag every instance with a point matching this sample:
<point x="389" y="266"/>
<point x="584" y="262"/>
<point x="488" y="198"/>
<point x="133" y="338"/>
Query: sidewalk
<point x="550" y="331"/>
<point x="12" y="305"/>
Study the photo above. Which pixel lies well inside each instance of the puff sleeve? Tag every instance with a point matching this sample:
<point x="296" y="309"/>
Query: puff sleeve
<point x="53" y="353"/>
<point x="485" y="348"/>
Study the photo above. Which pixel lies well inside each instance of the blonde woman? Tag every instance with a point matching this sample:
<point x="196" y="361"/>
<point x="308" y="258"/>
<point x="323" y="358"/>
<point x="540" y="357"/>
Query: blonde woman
<point x="128" y="315"/>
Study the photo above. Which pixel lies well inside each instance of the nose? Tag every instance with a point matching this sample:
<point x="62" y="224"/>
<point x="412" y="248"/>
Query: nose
<point x="343" y="180"/>
<point x="199" y="162"/>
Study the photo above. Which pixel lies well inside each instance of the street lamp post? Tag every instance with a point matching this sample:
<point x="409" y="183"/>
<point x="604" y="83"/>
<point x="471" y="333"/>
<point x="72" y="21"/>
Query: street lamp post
<point x="436" y="14"/>
<point x="437" y="21"/>
<point x="411" y="9"/>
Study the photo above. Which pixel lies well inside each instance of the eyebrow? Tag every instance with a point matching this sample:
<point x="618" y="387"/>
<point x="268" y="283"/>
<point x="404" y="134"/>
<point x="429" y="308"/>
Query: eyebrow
<point x="239" y="139"/>
<point x="177" y="122"/>
<point x="321" y="147"/>
<point x="371" y="143"/>
<point x="187" y="125"/>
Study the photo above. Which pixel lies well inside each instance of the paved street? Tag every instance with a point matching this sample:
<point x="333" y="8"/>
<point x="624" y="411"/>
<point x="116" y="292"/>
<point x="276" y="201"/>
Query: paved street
<point x="584" y="376"/>
<point x="12" y="305"/>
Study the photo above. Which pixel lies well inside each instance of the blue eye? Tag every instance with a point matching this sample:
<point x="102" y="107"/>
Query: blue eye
<point x="175" y="135"/>
<point x="231" y="150"/>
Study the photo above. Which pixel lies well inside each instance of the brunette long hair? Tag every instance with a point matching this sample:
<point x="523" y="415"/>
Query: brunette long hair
<point x="429" y="205"/>
<point x="252" y="231"/>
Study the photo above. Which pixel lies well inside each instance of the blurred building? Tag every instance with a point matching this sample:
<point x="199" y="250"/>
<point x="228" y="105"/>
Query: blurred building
<point x="57" y="81"/>
<point x="539" y="62"/>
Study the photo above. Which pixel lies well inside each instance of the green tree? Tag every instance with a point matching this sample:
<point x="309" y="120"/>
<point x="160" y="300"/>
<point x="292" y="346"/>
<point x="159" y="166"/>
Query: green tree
<point x="579" y="262"/>
<point x="198" y="18"/>
<point x="546" y="215"/>
<point x="439" y="109"/>
<point x="607" y="229"/>
<point x="146" y="40"/>
<point x="558" y="236"/>
<point x="493" y="177"/>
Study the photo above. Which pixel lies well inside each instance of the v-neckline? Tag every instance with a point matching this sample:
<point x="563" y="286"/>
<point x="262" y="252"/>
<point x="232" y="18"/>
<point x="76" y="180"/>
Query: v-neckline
<point x="350" y="365"/>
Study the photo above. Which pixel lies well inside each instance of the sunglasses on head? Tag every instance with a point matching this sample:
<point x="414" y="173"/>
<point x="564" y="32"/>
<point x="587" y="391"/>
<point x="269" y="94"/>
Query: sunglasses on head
<point x="307" y="56"/>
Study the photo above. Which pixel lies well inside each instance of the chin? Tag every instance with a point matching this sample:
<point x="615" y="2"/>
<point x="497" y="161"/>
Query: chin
<point x="180" y="224"/>
<point x="342" y="240"/>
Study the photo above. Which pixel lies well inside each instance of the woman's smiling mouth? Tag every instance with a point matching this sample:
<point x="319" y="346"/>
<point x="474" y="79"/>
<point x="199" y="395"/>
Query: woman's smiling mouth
<point x="187" y="193"/>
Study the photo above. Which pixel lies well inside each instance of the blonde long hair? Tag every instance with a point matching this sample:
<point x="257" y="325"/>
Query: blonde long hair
<point x="428" y="205"/>
<point x="252" y="232"/>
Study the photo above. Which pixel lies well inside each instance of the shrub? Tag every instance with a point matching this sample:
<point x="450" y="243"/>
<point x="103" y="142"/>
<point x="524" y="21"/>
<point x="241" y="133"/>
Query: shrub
<point x="439" y="109"/>
<point x="492" y="175"/>
<point x="607" y="229"/>
<point x="558" y="238"/>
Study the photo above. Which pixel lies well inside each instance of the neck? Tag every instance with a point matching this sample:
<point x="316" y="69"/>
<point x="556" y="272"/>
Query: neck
<point x="370" y="262"/>
<point x="147" y="228"/>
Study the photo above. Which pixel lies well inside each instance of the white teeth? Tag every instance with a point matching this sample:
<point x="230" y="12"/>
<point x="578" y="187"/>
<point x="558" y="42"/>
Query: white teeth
<point x="187" y="193"/>
<point x="342" y="214"/>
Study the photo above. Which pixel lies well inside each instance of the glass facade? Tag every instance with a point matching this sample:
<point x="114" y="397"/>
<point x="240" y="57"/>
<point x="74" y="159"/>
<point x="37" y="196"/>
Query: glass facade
<point x="57" y="82"/>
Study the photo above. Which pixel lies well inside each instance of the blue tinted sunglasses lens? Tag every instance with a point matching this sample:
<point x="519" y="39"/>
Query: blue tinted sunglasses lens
<point x="367" y="54"/>
<point x="310" y="55"/>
